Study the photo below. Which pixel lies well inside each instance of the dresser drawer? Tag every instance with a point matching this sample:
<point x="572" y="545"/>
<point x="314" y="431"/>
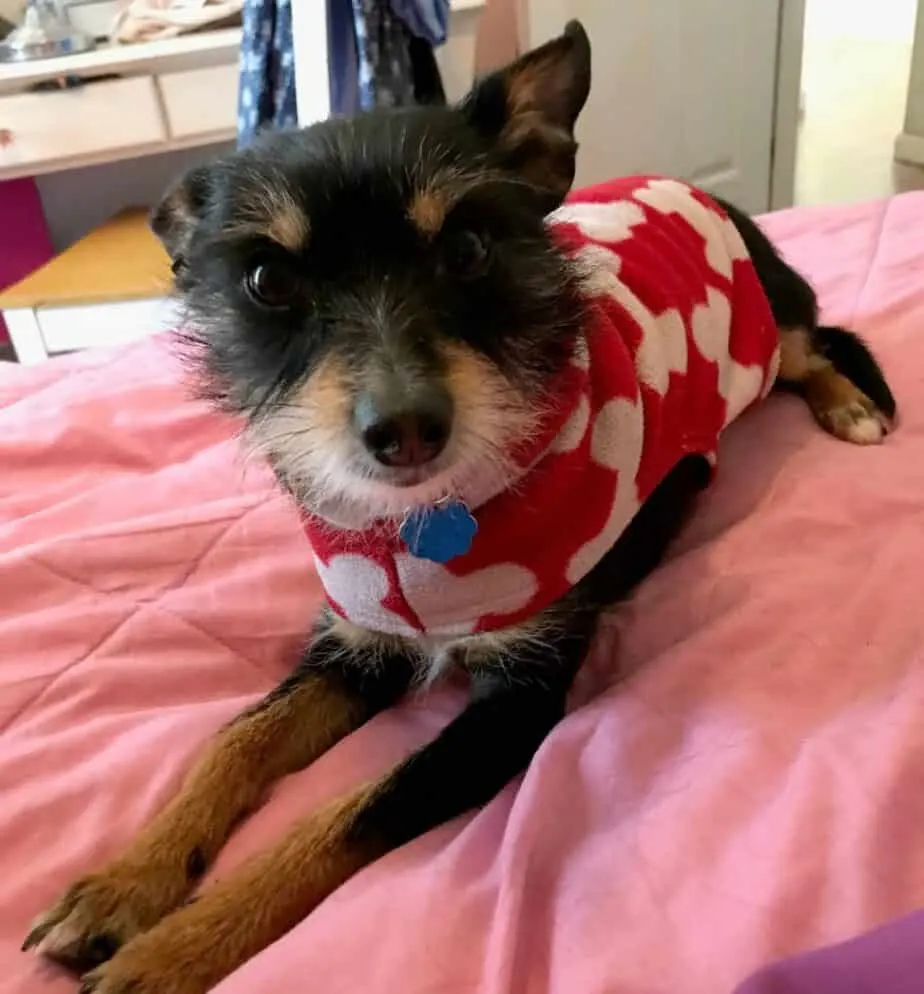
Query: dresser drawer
<point x="200" y="101"/>
<point x="70" y="124"/>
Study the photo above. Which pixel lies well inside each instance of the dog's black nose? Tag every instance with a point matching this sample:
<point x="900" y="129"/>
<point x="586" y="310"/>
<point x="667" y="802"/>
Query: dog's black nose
<point x="406" y="435"/>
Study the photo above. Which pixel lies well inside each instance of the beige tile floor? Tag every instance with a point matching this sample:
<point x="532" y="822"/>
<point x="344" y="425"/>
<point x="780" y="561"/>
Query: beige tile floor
<point x="854" y="82"/>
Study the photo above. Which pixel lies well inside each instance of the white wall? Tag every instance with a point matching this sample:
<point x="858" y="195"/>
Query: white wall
<point x="498" y="36"/>
<point x="855" y="73"/>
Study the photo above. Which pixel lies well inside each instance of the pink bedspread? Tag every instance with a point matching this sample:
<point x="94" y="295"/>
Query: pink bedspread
<point x="755" y="788"/>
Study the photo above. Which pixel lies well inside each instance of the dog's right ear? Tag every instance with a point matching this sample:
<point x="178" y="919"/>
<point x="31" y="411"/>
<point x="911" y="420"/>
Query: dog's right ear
<point x="528" y="110"/>
<point x="176" y="217"/>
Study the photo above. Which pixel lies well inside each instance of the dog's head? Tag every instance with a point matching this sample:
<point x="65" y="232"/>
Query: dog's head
<point x="379" y="297"/>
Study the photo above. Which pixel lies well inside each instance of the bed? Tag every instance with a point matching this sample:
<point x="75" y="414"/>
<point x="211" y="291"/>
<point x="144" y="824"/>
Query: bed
<point x="750" y="790"/>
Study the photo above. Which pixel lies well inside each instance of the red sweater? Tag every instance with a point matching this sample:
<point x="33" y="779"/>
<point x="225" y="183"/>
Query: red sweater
<point x="679" y="341"/>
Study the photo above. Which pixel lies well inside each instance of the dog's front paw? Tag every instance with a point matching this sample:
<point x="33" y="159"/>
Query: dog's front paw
<point x="127" y="973"/>
<point x="96" y="916"/>
<point x="171" y="958"/>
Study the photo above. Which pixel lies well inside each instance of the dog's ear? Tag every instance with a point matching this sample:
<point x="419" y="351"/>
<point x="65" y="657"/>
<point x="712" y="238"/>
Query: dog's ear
<point x="184" y="205"/>
<point x="528" y="110"/>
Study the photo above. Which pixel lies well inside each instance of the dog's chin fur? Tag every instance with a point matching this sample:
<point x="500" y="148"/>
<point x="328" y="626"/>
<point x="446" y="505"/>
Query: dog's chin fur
<point x="340" y="482"/>
<point x="358" y="501"/>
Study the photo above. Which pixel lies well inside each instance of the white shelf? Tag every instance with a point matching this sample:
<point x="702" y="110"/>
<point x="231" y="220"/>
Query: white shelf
<point x="188" y="51"/>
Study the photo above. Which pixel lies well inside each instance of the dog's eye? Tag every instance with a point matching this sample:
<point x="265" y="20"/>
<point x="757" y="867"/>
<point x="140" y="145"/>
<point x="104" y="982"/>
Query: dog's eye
<point x="466" y="255"/>
<point x="271" y="284"/>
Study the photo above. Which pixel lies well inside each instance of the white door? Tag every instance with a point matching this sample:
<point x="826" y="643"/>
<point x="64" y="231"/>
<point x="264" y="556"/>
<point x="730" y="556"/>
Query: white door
<point x="685" y="88"/>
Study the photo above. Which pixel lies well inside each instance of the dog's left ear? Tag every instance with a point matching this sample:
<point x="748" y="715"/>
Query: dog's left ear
<point x="176" y="217"/>
<point x="529" y="110"/>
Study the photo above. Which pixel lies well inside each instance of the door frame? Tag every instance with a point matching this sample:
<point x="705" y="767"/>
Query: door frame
<point x="786" y="113"/>
<point x="310" y="51"/>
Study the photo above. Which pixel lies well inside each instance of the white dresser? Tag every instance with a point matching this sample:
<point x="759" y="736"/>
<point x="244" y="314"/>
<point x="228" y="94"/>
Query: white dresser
<point x="131" y="101"/>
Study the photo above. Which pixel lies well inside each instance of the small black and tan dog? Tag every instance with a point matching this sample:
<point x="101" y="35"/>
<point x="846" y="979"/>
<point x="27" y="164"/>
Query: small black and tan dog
<point x="382" y="301"/>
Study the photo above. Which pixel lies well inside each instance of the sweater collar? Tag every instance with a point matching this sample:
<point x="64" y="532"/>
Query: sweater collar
<point x="560" y="403"/>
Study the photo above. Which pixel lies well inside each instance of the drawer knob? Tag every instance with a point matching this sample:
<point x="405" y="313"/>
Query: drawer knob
<point x="6" y="138"/>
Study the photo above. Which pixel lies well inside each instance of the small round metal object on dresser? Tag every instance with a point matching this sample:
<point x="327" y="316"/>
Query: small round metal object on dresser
<point x="44" y="34"/>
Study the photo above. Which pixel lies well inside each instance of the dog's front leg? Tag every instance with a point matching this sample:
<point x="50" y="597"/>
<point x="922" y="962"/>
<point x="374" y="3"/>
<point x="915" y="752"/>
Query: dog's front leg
<point x="465" y="766"/>
<point x="345" y="677"/>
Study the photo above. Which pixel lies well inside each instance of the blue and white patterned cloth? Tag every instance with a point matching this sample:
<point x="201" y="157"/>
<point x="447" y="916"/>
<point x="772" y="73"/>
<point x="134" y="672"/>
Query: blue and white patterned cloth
<point x="376" y="59"/>
<point x="386" y="74"/>
<point x="343" y="59"/>
<point x="427" y="19"/>
<point x="266" y="98"/>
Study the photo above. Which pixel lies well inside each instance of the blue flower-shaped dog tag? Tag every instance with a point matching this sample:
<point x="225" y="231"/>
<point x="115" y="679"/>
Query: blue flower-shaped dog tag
<point x="439" y="533"/>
